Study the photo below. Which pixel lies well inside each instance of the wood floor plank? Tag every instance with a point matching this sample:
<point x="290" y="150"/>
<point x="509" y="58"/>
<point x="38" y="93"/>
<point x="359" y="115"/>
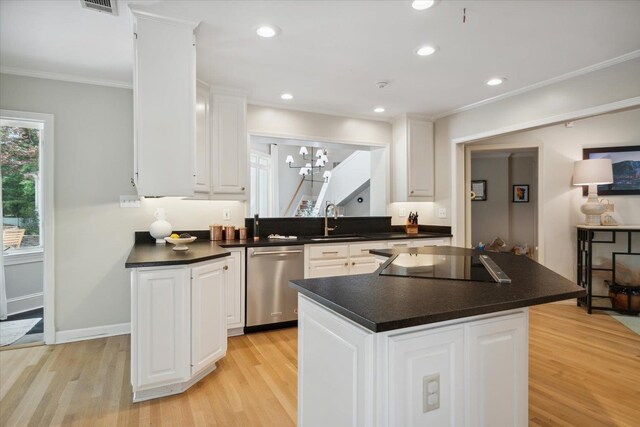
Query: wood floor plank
<point x="583" y="370"/>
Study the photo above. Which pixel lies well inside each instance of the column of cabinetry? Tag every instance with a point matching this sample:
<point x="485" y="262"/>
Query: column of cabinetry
<point x="235" y="292"/>
<point x="412" y="160"/>
<point x="164" y="86"/>
<point x="178" y="326"/>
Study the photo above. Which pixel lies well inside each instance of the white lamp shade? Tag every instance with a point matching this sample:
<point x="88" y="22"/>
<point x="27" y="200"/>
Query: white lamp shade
<point x="319" y="163"/>
<point x="324" y="158"/>
<point x="289" y="159"/>
<point x="303" y="151"/>
<point x="303" y="171"/>
<point x="326" y="175"/>
<point x="319" y="153"/>
<point x="592" y="171"/>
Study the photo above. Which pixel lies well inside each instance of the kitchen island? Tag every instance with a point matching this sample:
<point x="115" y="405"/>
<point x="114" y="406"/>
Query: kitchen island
<point x="386" y="350"/>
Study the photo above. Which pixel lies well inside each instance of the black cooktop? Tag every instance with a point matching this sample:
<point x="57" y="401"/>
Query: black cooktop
<point x="436" y="266"/>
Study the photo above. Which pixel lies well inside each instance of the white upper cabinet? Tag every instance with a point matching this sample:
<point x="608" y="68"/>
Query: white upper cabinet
<point x="229" y="145"/>
<point x="413" y="160"/>
<point x="203" y="139"/>
<point x="164" y="93"/>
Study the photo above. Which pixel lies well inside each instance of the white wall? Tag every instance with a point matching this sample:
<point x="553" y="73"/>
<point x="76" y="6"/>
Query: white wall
<point x="560" y="147"/>
<point x="93" y="166"/>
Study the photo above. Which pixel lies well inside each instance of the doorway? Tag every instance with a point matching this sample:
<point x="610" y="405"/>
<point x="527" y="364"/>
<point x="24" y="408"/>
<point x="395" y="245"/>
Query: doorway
<point x="503" y="201"/>
<point x="26" y="293"/>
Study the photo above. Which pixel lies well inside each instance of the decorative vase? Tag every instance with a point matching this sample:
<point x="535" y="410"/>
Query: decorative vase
<point x="160" y="228"/>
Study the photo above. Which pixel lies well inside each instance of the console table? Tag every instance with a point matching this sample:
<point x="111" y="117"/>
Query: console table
<point x="586" y="241"/>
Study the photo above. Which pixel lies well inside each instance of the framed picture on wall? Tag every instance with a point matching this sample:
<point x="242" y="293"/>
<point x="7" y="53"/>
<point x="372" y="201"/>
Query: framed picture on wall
<point x="479" y="190"/>
<point x="626" y="169"/>
<point x="520" y="193"/>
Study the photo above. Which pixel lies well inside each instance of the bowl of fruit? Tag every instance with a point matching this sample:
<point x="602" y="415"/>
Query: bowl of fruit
<point x="180" y="241"/>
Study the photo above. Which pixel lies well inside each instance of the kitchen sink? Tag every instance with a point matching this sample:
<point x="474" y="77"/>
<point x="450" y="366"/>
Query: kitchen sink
<point x="335" y="238"/>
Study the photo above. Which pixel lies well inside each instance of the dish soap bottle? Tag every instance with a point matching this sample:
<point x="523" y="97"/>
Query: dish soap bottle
<point x="160" y="228"/>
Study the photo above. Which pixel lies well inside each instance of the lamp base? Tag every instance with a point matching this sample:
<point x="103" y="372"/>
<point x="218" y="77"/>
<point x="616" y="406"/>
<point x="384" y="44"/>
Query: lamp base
<point x="592" y="209"/>
<point x="592" y="220"/>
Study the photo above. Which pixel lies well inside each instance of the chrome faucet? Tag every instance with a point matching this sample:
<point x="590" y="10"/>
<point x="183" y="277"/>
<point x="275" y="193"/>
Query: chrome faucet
<point x="326" y="218"/>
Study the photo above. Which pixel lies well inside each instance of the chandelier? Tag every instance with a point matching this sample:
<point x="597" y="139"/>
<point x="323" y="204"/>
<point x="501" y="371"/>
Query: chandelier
<point x="309" y="170"/>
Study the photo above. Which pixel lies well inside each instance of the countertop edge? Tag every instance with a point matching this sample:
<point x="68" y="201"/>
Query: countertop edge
<point x="174" y="262"/>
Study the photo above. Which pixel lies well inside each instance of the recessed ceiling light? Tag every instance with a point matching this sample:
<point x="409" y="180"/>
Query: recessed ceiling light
<point x="378" y="110"/>
<point x="267" y="31"/>
<point x="425" y="50"/>
<point x="422" y="4"/>
<point x="496" y="81"/>
<point x="286" y="96"/>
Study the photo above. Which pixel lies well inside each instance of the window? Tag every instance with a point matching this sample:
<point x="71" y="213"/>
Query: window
<point x="260" y="165"/>
<point x="21" y="200"/>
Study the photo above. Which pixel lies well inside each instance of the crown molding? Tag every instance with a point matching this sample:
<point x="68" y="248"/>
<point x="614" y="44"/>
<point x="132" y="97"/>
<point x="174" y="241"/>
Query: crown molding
<point x="64" y="77"/>
<point x="582" y="71"/>
<point x="306" y="109"/>
<point x="139" y="13"/>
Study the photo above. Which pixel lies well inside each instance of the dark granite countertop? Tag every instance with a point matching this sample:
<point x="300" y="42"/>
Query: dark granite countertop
<point x="384" y="303"/>
<point x="306" y="240"/>
<point x="152" y="255"/>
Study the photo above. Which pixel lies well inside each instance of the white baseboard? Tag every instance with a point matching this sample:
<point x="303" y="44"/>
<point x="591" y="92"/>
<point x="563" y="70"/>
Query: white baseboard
<point x="25" y="303"/>
<point x="92" y="333"/>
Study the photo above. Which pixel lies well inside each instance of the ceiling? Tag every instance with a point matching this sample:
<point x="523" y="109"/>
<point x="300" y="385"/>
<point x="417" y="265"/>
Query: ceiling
<point x="330" y="54"/>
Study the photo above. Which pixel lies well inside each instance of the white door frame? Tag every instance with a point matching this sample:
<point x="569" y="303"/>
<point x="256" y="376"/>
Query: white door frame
<point x="458" y="182"/>
<point x="47" y="164"/>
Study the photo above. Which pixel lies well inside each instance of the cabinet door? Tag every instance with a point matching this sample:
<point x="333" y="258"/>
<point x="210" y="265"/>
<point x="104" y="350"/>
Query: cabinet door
<point x="422" y="357"/>
<point x="235" y="291"/>
<point x="160" y="328"/>
<point x="424" y="243"/>
<point x="496" y="364"/>
<point x="229" y="144"/>
<point x="203" y="140"/>
<point x="164" y="92"/>
<point x="363" y="265"/>
<point x="329" y="267"/>
<point x="420" y="159"/>
<point x="208" y="315"/>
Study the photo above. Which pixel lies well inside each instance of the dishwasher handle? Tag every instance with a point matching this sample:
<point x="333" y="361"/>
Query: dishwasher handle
<point x="276" y="253"/>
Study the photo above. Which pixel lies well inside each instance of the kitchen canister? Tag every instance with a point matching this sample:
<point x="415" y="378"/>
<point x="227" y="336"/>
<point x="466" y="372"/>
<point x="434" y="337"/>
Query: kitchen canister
<point x="215" y="232"/>
<point x="230" y="232"/>
<point x="242" y="233"/>
<point x="160" y="228"/>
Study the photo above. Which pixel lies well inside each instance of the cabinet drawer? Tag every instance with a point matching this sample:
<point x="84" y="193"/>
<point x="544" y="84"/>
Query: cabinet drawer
<point x="329" y="267"/>
<point x="328" y="252"/>
<point x="360" y="249"/>
<point x="399" y="244"/>
<point x="427" y="242"/>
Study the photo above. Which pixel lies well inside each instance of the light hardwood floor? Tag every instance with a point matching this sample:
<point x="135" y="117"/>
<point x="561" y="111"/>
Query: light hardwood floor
<point x="584" y="370"/>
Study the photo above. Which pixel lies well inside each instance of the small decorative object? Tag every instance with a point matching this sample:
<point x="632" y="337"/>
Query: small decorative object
<point x="607" y="217"/>
<point x="625" y="163"/>
<point x="479" y="190"/>
<point x="242" y="233"/>
<point x="181" y="241"/>
<point x="496" y="245"/>
<point x="520" y="193"/>
<point x="412" y="223"/>
<point x="160" y="228"/>
<point x="592" y="172"/>
<point x="215" y="232"/>
<point x="230" y="232"/>
<point x="256" y="227"/>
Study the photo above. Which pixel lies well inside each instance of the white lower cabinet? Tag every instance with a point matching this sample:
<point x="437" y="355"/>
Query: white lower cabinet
<point x="235" y="291"/>
<point x="208" y="327"/>
<point x="363" y="265"/>
<point x="178" y="326"/>
<point x="463" y="372"/>
<point x="329" y="267"/>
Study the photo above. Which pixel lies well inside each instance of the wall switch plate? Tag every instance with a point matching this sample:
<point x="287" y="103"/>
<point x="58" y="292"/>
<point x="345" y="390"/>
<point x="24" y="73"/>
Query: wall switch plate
<point x="442" y="212"/>
<point x="430" y="393"/>
<point x="402" y="212"/>
<point x="226" y="214"/>
<point x="129" y="201"/>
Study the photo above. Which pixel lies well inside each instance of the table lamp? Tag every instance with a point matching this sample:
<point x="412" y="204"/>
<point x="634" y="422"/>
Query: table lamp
<point x="592" y="172"/>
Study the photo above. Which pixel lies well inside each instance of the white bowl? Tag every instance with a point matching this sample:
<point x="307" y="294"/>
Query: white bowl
<point x="180" y="243"/>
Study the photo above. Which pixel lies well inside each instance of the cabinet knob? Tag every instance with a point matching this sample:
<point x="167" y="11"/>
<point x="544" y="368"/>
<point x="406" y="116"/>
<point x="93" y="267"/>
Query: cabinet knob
<point x="242" y="188"/>
<point x="411" y="191"/>
<point x="346" y="264"/>
<point x="353" y="263"/>
<point x="226" y="267"/>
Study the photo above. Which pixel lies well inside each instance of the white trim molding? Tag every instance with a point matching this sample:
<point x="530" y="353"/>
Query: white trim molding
<point x="65" y="77"/>
<point x="93" y="333"/>
<point x="26" y="257"/>
<point x="47" y="238"/>
<point x="586" y="70"/>
<point x="552" y="120"/>
<point x="24" y="303"/>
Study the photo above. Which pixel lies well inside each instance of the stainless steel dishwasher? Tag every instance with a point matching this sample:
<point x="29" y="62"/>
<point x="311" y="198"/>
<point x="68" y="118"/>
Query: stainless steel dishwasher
<point x="270" y="300"/>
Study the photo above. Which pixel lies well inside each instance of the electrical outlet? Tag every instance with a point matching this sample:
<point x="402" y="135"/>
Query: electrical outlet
<point x="402" y="212"/>
<point x="442" y="213"/>
<point x="129" y="201"/>
<point x="430" y="393"/>
<point x="226" y="214"/>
